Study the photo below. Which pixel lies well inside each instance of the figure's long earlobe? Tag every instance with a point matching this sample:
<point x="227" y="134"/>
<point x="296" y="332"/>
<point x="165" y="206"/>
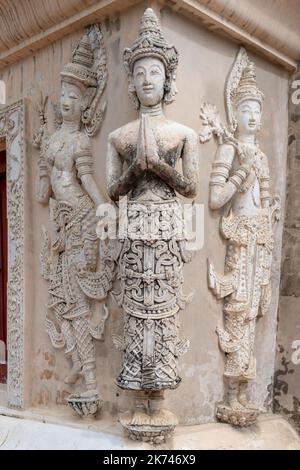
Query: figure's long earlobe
<point x="89" y="95"/>
<point x="132" y="93"/>
<point x="234" y="124"/>
<point x="170" y="89"/>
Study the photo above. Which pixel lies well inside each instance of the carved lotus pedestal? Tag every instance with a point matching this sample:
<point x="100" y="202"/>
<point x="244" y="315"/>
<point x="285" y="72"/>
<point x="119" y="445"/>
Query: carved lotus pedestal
<point x="241" y="417"/>
<point x="155" y="428"/>
<point x="86" y="404"/>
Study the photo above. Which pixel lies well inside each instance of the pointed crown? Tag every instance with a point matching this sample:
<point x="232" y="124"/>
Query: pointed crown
<point x="80" y="70"/>
<point x="247" y="87"/>
<point x="151" y="42"/>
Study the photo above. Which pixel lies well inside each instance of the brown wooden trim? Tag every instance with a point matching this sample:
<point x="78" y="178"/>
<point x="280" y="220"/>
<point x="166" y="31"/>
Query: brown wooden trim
<point x="226" y="26"/>
<point x="199" y="10"/>
<point x="90" y="15"/>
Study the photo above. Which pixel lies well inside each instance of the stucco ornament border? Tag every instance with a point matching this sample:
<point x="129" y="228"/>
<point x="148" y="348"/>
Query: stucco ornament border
<point x="12" y="130"/>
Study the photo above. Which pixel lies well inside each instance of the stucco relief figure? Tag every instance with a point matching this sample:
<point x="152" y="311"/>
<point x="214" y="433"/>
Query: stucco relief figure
<point x="240" y="182"/>
<point x="141" y="161"/>
<point x="69" y="259"/>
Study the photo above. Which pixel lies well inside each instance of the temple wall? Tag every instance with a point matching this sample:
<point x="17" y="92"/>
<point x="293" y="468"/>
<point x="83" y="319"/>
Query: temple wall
<point x="205" y="60"/>
<point x="287" y="377"/>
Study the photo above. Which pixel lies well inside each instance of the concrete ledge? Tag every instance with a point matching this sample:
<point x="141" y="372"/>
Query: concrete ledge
<point x="272" y="432"/>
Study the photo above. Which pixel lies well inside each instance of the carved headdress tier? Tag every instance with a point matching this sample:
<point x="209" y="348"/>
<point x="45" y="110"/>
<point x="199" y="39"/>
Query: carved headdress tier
<point x="80" y="70"/>
<point x="151" y="42"/>
<point x="241" y="85"/>
<point x="247" y="88"/>
<point x="88" y="69"/>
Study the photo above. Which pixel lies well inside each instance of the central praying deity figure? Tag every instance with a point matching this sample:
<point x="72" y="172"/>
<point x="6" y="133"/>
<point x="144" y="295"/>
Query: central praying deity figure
<point x="141" y="163"/>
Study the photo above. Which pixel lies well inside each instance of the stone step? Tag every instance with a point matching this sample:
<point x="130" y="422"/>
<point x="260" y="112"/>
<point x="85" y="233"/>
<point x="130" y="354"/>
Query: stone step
<point x="271" y="432"/>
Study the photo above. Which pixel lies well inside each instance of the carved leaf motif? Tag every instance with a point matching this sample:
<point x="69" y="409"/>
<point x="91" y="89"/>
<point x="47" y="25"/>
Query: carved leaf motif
<point x="212" y="125"/>
<point x="208" y="112"/>
<point x="41" y="133"/>
<point x="209" y="117"/>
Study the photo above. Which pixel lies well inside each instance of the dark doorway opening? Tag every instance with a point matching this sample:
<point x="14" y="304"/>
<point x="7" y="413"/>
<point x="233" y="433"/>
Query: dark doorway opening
<point x="3" y="268"/>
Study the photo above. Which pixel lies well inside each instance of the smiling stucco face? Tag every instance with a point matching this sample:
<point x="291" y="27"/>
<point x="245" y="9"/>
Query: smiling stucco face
<point x="149" y="79"/>
<point x="70" y="101"/>
<point x="248" y="116"/>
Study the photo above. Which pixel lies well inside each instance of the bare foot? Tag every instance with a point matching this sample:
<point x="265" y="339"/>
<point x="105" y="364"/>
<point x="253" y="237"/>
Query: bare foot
<point x="139" y="418"/>
<point x="163" y="418"/>
<point x="236" y="405"/>
<point x="74" y="374"/>
<point x="247" y="404"/>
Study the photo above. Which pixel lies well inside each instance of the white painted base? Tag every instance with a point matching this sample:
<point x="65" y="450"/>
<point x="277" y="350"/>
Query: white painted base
<point x="271" y="432"/>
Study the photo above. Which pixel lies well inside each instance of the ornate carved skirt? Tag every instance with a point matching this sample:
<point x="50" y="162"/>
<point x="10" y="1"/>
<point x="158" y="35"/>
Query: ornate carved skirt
<point x="150" y="271"/>
<point x="249" y="262"/>
<point x="70" y="267"/>
<point x="73" y="250"/>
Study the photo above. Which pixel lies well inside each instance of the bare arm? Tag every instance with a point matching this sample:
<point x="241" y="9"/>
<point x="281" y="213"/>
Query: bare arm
<point x="265" y="183"/>
<point x="222" y="188"/>
<point x="84" y="165"/>
<point x="91" y="188"/>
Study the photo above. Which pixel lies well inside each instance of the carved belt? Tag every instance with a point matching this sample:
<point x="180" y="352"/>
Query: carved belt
<point x="148" y="276"/>
<point x="241" y="229"/>
<point x="157" y="314"/>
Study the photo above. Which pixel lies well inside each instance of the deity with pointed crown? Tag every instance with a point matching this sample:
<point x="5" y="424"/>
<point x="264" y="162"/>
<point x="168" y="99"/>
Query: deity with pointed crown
<point x="141" y="165"/>
<point x="240" y="182"/>
<point x="69" y="261"/>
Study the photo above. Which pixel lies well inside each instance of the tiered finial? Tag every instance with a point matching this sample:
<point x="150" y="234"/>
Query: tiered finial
<point x="151" y="42"/>
<point x="247" y="87"/>
<point x="80" y="70"/>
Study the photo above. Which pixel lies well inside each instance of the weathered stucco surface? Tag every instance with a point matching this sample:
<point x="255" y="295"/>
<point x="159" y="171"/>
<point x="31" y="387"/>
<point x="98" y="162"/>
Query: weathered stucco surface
<point x="287" y="377"/>
<point x="205" y="60"/>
